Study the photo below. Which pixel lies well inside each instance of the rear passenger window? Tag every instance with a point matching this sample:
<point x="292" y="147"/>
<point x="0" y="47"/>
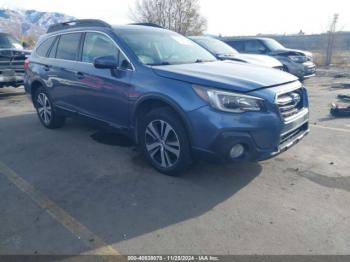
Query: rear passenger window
<point x="96" y="45"/>
<point x="68" y="45"/>
<point x="44" y="47"/>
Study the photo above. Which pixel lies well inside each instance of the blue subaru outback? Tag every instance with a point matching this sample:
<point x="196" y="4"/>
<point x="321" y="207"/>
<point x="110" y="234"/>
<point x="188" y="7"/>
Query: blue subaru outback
<point x="169" y="94"/>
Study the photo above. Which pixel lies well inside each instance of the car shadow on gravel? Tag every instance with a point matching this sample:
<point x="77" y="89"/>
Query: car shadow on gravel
<point x="111" y="189"/>
<point x="111" y="138"/>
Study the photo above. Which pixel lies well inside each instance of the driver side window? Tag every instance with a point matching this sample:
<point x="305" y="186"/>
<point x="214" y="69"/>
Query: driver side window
<point x="96" y="44"/>
<point x="255" y="47"/>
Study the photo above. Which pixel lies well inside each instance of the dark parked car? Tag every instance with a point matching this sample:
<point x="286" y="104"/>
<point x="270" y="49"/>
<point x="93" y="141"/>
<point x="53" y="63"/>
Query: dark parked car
<point x="12" y="57"/>
<point x="175" y="99"/>
<point x="223" y="51"/>
<point x="296" y="62"/>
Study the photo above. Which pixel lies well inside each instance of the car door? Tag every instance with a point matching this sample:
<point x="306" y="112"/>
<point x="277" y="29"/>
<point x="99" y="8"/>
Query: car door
<point x="103" y="93"/>
<point x="62" y="70"/>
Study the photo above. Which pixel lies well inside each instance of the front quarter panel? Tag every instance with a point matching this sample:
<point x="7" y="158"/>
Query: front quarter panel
<point x="180" y="94"/>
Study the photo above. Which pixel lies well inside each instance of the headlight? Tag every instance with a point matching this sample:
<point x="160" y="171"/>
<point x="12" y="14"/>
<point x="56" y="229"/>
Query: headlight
<point x="229" y="102"/>
<point x="298" y="58"/>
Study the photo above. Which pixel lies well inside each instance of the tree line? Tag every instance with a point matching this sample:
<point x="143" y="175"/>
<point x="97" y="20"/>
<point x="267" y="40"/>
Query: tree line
<point x="182" y="16"/>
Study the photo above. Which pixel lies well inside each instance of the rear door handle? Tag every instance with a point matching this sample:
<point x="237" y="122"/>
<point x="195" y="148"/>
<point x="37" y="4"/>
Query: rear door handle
<point x="46" y="68"/>
<point x="79" y="75"/>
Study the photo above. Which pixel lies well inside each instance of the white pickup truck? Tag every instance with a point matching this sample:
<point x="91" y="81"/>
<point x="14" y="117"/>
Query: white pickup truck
<point x="12" y="56"/>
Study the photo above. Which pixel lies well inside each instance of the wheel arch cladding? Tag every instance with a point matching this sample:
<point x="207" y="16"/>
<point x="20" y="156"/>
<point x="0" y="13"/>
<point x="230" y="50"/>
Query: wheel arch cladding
<point x="35" y="85"/>
<point x="150" y="102"/>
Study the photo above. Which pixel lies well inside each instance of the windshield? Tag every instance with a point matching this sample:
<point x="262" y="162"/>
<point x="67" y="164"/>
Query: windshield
<point x="216" y="46"/>
<point x="162" y="47"/>
<point x="7" y="41"/>
<point x="272" y="44"/>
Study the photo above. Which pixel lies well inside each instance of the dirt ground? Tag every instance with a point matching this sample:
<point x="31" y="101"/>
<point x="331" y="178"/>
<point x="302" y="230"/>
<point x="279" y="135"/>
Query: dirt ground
<point x="77" y="190"/>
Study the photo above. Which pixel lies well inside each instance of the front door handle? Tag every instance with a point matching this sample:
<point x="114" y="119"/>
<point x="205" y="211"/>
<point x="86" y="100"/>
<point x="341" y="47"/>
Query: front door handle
<point x="46" y="68"/>
<point x="79" y="75"/>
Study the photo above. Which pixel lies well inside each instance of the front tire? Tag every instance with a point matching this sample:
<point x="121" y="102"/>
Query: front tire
<point x="44" y="108"/>
<point x="164" y="141"/>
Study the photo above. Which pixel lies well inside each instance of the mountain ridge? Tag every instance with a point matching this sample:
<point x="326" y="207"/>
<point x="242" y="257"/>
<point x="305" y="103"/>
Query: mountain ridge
<point x="29" y="23"/>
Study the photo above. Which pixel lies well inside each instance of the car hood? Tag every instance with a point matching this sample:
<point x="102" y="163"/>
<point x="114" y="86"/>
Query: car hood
<point x="262" y="60"/>
<point x="289" y="51"/>
<point x="228" y="75"/>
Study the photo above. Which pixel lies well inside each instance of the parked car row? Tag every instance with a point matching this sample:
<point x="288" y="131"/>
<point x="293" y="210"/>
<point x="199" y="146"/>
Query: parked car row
<point x="175" y="99"/>
<point x="12" y="56"/>
<point x="296" y="62"/>
<point x="223" y="51"/>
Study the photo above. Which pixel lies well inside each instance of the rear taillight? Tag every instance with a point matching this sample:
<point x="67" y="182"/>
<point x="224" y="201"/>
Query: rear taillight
<point x="26" y="64"/>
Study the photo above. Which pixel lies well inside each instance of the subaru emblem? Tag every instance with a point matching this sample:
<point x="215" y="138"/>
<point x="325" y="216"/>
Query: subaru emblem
<point x="295" y="97"/>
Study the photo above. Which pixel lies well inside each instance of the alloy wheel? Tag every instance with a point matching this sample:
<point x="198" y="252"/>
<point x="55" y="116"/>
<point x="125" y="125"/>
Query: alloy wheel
<point x="162" y="143"/>
<point x="44" y="108"/>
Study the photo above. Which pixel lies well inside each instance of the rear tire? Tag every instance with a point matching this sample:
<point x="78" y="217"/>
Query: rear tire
<point x="44" y="108"/>
<point x="164" y="141"/>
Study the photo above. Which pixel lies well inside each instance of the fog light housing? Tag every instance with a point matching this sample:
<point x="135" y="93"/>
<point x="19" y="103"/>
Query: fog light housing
<point x="237" y="151"/>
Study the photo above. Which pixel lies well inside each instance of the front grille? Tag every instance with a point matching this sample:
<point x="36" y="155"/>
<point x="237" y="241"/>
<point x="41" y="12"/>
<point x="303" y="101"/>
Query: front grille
<point x="310" y="70"/>
<point x="290" y="103"/>
<point x="12" y="58"/>
<point x="18" y="63"/>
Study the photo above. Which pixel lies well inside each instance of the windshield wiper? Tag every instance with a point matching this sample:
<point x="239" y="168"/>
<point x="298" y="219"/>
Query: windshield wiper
<point x="159" y="64"/>
<point x="204" y="61"/>
<point x="228" y="54"/>
<point x="179" y="63"/>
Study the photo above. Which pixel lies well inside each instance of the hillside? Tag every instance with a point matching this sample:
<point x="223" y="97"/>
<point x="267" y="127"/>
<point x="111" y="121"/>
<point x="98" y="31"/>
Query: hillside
<point x="28" y="23"/>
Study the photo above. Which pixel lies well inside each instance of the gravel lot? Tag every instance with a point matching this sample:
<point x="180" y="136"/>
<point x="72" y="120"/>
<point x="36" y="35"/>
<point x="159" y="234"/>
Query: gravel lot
<point x="79" y="190"/>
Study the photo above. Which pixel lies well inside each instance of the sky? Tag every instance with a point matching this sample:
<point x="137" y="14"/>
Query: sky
<point x="225" y="17"/>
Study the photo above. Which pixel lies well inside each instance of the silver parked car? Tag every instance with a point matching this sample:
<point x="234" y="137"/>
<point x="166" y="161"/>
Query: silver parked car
<point x="223" y="51"/>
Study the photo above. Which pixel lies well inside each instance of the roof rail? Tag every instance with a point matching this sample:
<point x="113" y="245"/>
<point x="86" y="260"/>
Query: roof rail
<point x="77" y="23"/>
<point x="147" y="24"/>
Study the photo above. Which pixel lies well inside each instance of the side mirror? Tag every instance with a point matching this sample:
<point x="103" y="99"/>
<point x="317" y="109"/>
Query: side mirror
<point x="25" y="45"/>
<point x="106" y="62"/>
